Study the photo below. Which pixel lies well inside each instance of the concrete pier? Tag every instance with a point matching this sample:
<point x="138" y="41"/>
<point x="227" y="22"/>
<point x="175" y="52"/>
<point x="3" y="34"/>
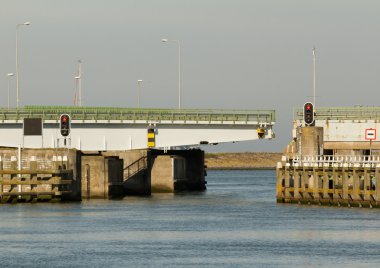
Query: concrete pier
<point x="39" y="175"/>
<point x="152" y="171"/>
<point x="69" y="174"/>
<point x="332" y="185"/>
<point x="316" y="171"/>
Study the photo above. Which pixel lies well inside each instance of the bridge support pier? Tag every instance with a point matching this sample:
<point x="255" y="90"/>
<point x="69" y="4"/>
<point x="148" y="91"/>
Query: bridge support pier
<point x="152" y="171"/>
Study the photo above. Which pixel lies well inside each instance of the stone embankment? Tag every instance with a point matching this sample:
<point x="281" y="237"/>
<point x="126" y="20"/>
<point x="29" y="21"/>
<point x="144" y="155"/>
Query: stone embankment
<point x="256" y="160"/>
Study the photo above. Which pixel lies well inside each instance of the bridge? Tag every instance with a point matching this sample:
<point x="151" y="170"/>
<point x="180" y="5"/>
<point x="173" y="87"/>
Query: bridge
<point x="111" y="128"/>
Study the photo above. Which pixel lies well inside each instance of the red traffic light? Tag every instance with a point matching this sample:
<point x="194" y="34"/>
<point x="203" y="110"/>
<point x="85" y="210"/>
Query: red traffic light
<point x="64" y="125"/>
<point x="308" y="114"/>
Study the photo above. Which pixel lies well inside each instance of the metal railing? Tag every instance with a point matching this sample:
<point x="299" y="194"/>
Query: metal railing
<point x="135" y="167"/>
<point x="112" y="113"/>
<point x="372" y="161"/>
<point x="341" y="113"/>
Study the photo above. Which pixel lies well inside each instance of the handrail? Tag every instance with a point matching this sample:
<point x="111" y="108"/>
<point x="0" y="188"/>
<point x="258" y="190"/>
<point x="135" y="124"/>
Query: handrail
<point x="336" y="160"/>
<point x="114" y="113"/>
<point x="135" y="167"/>
<point x="341" y="113"/>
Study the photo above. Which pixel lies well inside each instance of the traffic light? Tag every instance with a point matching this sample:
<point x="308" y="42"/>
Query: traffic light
<point x="64" y="125"/>
<point x="308" y="114"/>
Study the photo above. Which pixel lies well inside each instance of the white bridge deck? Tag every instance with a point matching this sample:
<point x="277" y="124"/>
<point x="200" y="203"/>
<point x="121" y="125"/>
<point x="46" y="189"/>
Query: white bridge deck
<point x="101" y="129"/>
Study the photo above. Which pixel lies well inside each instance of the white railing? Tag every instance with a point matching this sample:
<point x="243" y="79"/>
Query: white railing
<point x="11" y="162"/>
<point x="372" y="161"/>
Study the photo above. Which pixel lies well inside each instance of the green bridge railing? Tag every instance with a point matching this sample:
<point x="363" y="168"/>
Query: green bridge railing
<point x="113" y="113"/>
<point x="341" y="113"/>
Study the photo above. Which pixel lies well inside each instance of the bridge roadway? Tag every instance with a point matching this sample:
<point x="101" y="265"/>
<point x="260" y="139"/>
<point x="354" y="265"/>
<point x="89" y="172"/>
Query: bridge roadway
<point x="110" y="128"/>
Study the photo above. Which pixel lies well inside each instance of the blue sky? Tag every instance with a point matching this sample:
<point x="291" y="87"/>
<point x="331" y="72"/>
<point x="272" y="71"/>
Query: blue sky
<point x="235" y="54"/>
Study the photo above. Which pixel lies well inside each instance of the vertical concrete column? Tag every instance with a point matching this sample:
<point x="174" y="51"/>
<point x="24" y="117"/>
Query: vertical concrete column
<point x="162" y="174"/>
<point x="280" y="176"/>
<point x="13" y="162"/>
<point x="345" y="184"/>
<point x="326" y="179"/>
<point x="337" y="183"/>
<point x="367" y="189"/>
<point x="54" y="163"/>
<point x="65" y="162"/>
<point x="287" y="183"/>
<point x="1" y="168"/>
<point x="316" y="184"/>
<point x="311" y="139"/>
<point x="377" y="178"/>
<point x="356" y="185"/>
<point x="304" y="182"/>
<point x="296" y="176"/>
<point x="32" y="163"/>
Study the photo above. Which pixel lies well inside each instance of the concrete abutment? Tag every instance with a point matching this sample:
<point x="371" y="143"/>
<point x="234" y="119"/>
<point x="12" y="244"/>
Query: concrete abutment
<point x="69" y="174"/>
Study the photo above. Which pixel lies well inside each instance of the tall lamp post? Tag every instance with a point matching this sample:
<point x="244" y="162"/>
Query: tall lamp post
<point x="179" y="68"/>
<point x="17" y="74"/>
<point x="79" y="82"/>
<point x="9" y="78"/>
<point x="314" y="57"/>
<point x="139" y="82"/>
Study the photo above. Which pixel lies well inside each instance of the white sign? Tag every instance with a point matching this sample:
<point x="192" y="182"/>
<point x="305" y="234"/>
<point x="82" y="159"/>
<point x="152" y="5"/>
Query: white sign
<point x="370" y="134"/>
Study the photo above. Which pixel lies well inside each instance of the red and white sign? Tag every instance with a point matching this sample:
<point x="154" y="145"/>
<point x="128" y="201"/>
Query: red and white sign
<point x="370" y="134"/>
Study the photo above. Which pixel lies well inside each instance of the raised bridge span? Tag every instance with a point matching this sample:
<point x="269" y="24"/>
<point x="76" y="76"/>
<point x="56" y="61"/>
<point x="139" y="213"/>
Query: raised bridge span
<point x="110" y="128"/>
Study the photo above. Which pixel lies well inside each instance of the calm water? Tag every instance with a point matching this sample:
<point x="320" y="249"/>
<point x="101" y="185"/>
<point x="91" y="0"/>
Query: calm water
<point x="235" y="223"/>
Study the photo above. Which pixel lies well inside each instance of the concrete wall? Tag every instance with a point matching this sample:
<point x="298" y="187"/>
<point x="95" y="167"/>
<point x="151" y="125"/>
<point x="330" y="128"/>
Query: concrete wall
<point x="46" y="159"/>
<point x="178" y="170"/>
<point x="162" y="180"/>
<point x="98" y="173"/>
<point x="94" y="177"/>
<point x="310" y="140"/>
<point x="136" y="176"/>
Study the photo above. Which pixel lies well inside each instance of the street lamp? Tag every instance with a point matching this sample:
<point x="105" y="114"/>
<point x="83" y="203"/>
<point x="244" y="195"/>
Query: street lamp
<point x="139" y="82"/>
<point x="79" y="82"/>
<point x="76" y="91"/>
<point x="17" y="85"/>
<point x="9" y="78"/>
<point x="179" y="68"/>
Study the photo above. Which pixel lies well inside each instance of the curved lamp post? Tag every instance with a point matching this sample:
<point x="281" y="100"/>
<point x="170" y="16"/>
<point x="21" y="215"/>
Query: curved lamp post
<point x="17" y="74"/>
<point x="179" y="68"/>
<point x="139" y="82"/>
<point x="9" y="78"/>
